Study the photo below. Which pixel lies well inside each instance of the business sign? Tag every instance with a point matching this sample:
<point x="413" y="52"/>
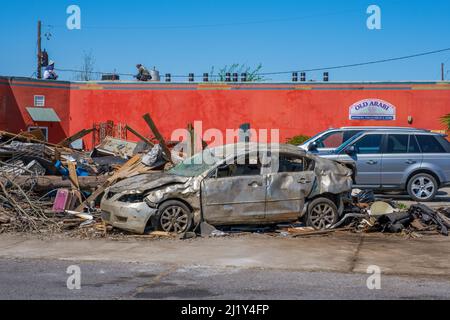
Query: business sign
<point x="372" y="109"/>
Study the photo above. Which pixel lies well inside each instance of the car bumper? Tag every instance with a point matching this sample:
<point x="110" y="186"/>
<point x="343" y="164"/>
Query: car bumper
<point x="132" y="217"/>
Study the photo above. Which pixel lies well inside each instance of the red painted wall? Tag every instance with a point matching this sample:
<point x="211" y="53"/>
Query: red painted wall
<point x="292" y="108"/>
<point x="17" y="94"/>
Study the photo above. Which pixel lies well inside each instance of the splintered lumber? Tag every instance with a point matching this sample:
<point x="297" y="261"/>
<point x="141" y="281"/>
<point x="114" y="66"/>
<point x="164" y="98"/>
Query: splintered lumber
<point x="120" y="174"/>
<point x="74" y="179"/>
<point x="140" y="136"/>
<point x="49" y="183"/>
<point x="81" y="134"/>
<point x="73" y="175"/>
<point x="158" y="136"/>
<point x="24" y="136"/>
<point x="37" y="134"/>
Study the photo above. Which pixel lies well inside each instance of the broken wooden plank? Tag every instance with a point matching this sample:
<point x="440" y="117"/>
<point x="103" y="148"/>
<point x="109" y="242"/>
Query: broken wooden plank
<point x="140" y="136"/>
<point x="73" y="176"/>
<point x="122" y="173"/>
<point x="47" y="183"/>
<point x="158" y="136"/>
<point x="79" y="135"/>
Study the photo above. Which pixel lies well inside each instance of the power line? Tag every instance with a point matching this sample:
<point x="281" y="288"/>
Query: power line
<point x="288" y="72"/>
<point x="361" y="63"/>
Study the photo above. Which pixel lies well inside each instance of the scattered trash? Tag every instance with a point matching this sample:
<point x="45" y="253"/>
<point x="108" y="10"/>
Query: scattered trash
<point x="380" y="208"/>
<point x="380" y="216"/>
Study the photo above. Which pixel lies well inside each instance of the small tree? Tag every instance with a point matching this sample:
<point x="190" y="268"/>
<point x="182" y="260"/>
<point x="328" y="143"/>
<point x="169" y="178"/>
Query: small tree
<point x="446" y="121"/>
<point x="297" y="140"/>
<point x="87" y="69"/>
<point x="252" y="73"/>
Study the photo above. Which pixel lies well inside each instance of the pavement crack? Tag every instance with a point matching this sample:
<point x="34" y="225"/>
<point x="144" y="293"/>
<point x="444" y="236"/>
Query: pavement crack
<point x="355" y="255"/>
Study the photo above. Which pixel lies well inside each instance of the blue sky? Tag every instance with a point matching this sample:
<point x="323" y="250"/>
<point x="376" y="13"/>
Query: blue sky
<point x="287" y="35"/>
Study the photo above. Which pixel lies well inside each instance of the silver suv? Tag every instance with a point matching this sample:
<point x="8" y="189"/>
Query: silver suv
<point x="415" y="161"/>
<point x="331" y="139"/>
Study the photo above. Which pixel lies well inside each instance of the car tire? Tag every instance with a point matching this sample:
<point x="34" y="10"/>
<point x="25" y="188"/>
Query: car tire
<point x="422" y="187"/>
<point x="174" y="217"/>
<point x="322" y="214"/>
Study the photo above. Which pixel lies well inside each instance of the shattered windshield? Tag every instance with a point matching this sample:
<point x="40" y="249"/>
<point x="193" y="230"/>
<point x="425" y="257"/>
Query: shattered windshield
<point x="196" y="165"/>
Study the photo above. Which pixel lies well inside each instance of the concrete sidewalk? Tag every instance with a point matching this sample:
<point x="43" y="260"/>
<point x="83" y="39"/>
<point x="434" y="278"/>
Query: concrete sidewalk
<point x="343" y="253"/>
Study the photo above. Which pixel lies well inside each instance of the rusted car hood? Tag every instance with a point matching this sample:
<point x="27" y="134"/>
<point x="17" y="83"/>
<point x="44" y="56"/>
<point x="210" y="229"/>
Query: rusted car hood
<point x="147" y="182"/>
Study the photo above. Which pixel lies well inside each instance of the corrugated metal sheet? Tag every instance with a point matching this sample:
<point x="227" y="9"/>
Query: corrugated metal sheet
<point x="43" y="115"/>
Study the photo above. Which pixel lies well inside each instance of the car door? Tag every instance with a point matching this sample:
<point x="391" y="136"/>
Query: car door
<point x="367" y="158"/>
<point x="401" y="156"/>
<point x="235" y="194"/>
<point x="288" y="184"/>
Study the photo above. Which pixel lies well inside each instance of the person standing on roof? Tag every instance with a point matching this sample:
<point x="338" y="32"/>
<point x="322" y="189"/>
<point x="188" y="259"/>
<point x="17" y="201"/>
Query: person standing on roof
<point x="49" y="73"/>
<point x="144" y="74"/>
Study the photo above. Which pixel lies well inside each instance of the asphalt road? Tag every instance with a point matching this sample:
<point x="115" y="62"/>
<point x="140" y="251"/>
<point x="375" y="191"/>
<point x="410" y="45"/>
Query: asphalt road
<point x="46" y="279"/>
<point x="248" y="267"/>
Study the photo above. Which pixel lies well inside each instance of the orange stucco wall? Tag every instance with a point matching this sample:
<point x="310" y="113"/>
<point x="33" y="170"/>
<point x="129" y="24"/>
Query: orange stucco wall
<point x="302" y="108"/>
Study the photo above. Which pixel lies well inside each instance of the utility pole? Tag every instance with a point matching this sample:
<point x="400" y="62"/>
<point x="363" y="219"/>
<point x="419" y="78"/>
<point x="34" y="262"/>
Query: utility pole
<point x="443" y="71"/>
<point x="39" y="60"/>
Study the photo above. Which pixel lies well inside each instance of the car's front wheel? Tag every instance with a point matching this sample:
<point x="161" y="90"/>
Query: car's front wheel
<point x="422" y="187"/>
<point x="322" y="214"/>
<point x="175" y="217"/>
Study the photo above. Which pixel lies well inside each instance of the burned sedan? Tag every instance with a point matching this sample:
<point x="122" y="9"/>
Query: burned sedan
<point x="235" y="184"/>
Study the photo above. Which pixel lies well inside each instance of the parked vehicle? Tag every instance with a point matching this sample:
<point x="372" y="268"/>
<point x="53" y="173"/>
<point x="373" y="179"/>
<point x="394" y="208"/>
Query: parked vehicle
<point x="239" y="184"/>
<point x="415" y="161"/>
<point x="331" y="139"/>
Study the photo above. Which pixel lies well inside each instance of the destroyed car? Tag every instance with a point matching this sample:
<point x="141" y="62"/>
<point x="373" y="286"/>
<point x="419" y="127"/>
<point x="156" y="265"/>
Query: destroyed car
<point x="245" y="183"/>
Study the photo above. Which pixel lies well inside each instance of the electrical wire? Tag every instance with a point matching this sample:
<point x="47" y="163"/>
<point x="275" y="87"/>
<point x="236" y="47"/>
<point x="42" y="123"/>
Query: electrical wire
<point x="288" y="72"/>
<point x="361" y="63"/>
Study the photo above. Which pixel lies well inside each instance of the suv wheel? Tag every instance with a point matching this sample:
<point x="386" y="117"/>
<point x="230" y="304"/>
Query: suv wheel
<point x="175" y="217"/>
<point x="422" y="187"/>
<point x="322" y="214"/>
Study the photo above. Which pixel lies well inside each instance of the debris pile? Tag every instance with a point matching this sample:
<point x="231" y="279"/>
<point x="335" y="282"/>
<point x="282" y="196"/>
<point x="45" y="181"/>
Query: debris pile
<point x="366" y="214"/>
<point x="47" y="187"/>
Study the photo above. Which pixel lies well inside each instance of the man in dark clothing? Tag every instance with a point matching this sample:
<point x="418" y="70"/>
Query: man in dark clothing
<point x="143" y="74"/>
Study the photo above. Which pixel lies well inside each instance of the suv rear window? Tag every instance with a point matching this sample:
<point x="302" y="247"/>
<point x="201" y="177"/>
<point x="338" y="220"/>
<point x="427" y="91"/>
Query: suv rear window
<point x="429" y="144"/>
<point x="401" y="143"/>
<point x="397" y="143"/>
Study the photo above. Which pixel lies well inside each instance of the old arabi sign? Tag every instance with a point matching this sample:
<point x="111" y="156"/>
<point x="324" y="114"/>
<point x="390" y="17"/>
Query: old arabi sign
<point x="372" y="109"/>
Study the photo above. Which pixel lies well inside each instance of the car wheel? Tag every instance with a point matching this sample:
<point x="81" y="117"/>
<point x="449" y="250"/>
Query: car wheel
<point x="322" y="214"/>
<point x="422" y="187"/>
<point x="175" y="217"/>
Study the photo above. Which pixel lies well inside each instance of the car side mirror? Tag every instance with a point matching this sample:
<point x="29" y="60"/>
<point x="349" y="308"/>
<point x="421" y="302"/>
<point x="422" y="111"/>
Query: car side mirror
<point x="312" y="146"/>
<point x="350" y="150"/>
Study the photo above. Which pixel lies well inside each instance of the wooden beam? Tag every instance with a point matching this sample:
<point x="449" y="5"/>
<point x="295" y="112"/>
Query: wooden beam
<point x="81" y="134"/>
<point x="158" y="136"/>
<point x="120" y="174"/>
<point x="48" y="183"/>
<point x="140" y="136"/>
<point x="21" y="137"/>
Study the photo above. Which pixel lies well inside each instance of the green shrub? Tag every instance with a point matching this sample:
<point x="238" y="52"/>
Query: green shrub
<point x="297" y="140"/>
<point x="446" y="121"/>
